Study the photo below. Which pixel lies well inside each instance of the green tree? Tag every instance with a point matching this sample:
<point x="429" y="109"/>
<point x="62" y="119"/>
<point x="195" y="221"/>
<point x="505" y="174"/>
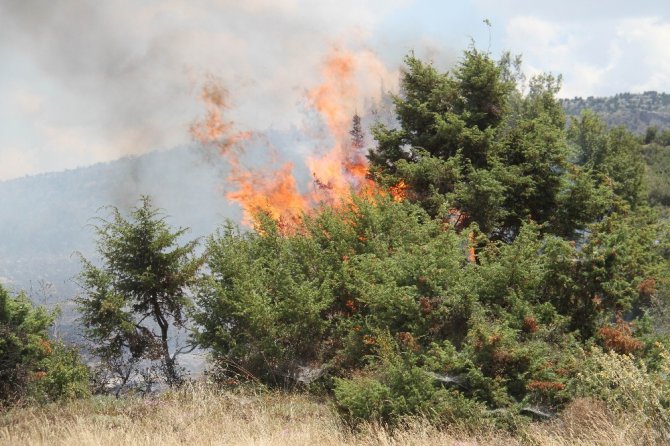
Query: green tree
<point x="656" y="179"/>
<point x="140" y="291"/>
<point x="612" y="156"/>
<point x="470" y="141"/>
<point x="356" y="132"/>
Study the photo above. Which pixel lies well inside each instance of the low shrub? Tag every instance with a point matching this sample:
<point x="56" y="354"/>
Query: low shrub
<point x="629" y="388"/>
<point x="380" y="304"/>
<point x="32" y="366"/>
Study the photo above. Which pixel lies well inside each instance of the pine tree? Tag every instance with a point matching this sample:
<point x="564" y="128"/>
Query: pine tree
<point x="471" y="141"/>
<point x="138" y="296"/>
<point x="357" y="135"/>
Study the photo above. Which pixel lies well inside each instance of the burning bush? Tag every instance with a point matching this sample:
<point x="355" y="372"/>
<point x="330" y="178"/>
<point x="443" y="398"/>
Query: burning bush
<point x="277" y="304"/>
<point x="470" y="289"/>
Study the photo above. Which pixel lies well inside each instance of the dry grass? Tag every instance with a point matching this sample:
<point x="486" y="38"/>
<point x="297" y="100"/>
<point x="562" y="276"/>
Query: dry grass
<point x="201" y="416"/>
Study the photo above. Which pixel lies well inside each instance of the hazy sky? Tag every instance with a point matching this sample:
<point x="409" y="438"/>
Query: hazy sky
<point x="84" y="81"/>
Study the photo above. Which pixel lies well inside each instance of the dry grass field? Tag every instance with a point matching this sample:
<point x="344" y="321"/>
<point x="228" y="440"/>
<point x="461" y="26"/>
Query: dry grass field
<point x="201" y="416"/>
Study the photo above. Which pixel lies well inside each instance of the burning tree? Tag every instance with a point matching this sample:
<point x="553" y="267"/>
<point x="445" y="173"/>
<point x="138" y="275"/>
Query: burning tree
<point x="385" y="301"/>
<point x="338" y="165"/>
<point x="131" y="303"/>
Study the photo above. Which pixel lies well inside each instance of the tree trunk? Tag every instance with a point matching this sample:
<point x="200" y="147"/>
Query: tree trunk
<point x="170" y="370"/>
<point x="171" y="374"/>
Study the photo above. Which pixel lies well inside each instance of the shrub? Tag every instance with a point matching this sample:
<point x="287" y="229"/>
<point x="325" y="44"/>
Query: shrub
<point x="62" y="376"/>
<point x="619" y="338"/>
<point x="363" y="398"/>
<point x="316" y="308"/>
<point x="395" y="387"/>
<point x="629" y="388"/>
<point x="31" y="365"/>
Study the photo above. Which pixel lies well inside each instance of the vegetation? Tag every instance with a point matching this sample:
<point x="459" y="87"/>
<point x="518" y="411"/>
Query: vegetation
<point x="636" y="112"/>
<point x="379" y="302"/>
<point x="520" y="244"/>
<point x="203" y="415"/>
<point x="656" y="152"/>
<point x="130" y="303"/>
<point x="51" y="212"/>
<point x="34" y="367"/>
<point x="512" y="266"/>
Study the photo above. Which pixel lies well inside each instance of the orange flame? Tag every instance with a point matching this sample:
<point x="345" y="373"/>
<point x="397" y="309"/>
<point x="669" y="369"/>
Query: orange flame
<point x="213" y="130"/>
<point x="399" y="191"/>
<point x="273" y="192"/>
<point x="336" y="172"/>
<point x="344" y="167"/>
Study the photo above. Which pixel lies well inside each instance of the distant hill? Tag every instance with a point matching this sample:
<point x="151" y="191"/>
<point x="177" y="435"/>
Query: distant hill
<point x="45" y="219"/>
<point x="639" y="113"/>
<point x="635" y="111"/>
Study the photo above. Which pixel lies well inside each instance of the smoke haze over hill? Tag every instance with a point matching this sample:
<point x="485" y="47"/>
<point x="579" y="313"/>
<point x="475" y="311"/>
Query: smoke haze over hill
<point x="87" y="82"/>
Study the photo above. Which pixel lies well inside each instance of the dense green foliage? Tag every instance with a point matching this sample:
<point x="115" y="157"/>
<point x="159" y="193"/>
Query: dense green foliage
<point x="130" y="303"/>
<point x="32" y="366"/>
<point x="612" y="156"/>
<point x="384" y="303"/>
<point x="381" y="298"/>
<point x="656" y="152"/>
<point x="471" y="142"/>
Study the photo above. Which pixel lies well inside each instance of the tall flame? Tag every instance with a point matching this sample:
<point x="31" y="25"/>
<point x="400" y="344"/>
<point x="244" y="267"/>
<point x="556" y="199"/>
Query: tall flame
<point x="344" y="166"/>
<point x="274" y="192"/>
<point x="337" y="170"/>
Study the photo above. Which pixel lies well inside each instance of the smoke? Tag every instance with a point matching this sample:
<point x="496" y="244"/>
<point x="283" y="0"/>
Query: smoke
<point x="122" y="77"/>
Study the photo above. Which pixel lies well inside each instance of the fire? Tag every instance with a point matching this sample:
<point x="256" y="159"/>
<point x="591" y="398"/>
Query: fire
<point x="275" y="193"/>
<point x="399" y="191"/>
<point x="333" y="98"/>
<point x="336" y="170"/>
<point x="213" y="130"/>
<point x="344" y="167"/>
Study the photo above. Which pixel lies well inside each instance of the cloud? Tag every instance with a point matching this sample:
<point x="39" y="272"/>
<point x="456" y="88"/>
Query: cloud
<point x="572" y="11"/>
<point x="598" y="58"/>
<point x="648" y="40"/>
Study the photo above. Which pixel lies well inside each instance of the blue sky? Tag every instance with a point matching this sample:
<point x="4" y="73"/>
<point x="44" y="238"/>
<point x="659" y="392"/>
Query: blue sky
<point x="84" y="81"/>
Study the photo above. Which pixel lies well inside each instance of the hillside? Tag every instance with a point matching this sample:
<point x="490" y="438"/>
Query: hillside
<point x="47" y="219"/>
<point x="635" y="111"/>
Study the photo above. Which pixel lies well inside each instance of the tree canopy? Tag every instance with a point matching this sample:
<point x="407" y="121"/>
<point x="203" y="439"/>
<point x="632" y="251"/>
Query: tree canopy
<point x="32" y="365"/>
<point x="141" y="290"/>
<point x="479" y="142"/>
